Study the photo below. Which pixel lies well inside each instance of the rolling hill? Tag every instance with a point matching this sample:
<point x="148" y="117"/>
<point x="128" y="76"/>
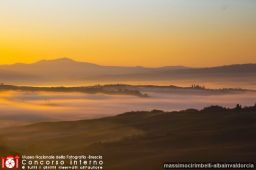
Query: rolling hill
<point x="135" y="139"/>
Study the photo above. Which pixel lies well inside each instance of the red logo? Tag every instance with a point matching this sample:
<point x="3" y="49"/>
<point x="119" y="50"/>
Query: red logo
<point x="10" y="162"/>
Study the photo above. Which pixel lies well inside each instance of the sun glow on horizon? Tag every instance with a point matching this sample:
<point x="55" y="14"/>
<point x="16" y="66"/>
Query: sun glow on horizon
<point x="129" y="33"/>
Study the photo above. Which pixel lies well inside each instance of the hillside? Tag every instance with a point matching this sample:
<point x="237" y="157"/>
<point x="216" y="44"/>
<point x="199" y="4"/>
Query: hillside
<point x="85" y="89"/>
<point x="64" y="70"/>
<point x="125" y="89"/>
<point x="133" y="139"/>
<point x="229" y="73"/>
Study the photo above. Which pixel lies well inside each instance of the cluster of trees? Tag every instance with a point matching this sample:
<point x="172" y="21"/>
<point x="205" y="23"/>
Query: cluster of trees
<point x="196" y="86"/>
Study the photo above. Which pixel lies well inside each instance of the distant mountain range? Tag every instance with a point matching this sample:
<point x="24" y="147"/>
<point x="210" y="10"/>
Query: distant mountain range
<point x="67" y="70"/>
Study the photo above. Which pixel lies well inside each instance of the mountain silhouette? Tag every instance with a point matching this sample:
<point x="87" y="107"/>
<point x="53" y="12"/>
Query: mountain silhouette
<point x="67" y="70"/>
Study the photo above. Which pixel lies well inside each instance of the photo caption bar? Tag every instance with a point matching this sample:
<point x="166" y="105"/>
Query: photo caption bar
<point x="209" y="165"/>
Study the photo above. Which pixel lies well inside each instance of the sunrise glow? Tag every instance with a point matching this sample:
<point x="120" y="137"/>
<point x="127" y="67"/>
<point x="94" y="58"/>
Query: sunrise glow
<point x="114" y="32"/>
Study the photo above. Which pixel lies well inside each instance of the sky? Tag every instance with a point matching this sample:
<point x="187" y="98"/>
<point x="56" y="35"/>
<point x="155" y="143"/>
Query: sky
<point x="129" y="32"/>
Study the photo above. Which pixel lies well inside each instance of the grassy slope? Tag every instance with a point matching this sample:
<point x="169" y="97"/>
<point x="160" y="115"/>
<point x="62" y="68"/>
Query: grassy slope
<point x="130" y="140"/>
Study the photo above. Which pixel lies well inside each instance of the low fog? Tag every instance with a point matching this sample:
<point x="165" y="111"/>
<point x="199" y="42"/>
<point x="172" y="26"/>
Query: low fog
<point x="27" y="107"/>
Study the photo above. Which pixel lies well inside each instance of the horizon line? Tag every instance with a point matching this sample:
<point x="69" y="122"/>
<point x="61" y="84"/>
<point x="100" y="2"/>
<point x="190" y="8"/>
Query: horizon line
<point x="88" y="62"/>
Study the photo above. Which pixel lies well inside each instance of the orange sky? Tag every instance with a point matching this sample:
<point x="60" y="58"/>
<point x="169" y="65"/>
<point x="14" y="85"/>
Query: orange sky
<point x="146" y="32"/>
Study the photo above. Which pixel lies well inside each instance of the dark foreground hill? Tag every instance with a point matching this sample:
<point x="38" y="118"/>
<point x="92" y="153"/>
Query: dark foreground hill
<point x="144" y="140"/>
